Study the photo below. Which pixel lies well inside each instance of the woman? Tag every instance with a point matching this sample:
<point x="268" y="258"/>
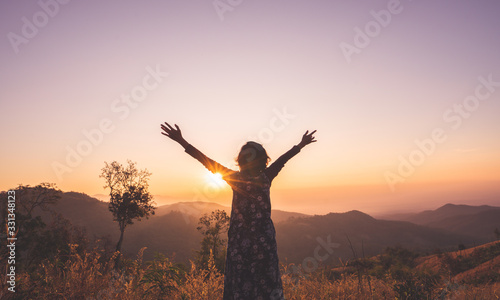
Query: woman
<point x="252" y="265"/>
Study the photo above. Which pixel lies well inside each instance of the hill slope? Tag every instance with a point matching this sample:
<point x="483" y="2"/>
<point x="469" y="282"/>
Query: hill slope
<point x="481" y="263"/>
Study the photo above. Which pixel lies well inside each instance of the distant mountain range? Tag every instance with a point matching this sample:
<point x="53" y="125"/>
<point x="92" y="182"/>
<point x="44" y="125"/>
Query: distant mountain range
<point x="173" y="229"/>
<point x="477" y="222"/>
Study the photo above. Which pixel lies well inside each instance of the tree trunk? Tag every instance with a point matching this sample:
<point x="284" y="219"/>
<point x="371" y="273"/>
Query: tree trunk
<point x="118" y="249"/>
<point x="119" y="245"/>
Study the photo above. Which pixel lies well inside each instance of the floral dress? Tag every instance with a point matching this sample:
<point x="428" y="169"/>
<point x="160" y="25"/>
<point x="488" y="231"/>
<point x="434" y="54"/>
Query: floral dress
<point x="252" y="264"/>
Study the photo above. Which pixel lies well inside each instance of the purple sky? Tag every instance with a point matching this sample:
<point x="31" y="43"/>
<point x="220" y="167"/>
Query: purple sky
<point x="230" y="72"/>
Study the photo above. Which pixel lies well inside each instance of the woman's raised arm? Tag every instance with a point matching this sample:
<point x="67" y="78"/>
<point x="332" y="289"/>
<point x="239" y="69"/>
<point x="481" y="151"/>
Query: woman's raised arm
<point x="213" y="166"/>
<point x="273" y="170"/>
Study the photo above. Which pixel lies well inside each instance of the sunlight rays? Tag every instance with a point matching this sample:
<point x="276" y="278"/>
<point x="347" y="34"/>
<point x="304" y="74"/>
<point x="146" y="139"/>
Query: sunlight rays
<point x="215" y="180"/>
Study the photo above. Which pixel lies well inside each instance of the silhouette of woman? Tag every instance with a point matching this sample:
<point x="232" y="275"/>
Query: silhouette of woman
<point x="252" y="265"/>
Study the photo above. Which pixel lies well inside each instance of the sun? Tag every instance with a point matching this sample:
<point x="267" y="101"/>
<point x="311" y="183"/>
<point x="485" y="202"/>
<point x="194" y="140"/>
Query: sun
<point x="215" y="179"/>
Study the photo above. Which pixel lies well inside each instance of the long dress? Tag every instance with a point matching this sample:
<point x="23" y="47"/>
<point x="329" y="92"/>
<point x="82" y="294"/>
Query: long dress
<point x="252" y="264"/>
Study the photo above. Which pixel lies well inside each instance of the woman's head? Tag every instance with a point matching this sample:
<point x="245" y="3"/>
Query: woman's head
<point x="252" y="158"/>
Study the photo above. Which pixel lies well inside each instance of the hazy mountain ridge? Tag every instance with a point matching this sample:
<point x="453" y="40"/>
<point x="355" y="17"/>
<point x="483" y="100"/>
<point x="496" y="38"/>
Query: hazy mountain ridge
<point x="478" y="222"/>
<point x="447" y="211"/>
<point x="173" y="230"/>
<point x="367" y="235"/>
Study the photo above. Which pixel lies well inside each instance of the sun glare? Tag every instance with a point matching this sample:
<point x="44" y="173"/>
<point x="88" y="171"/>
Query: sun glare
<point x="215" y="179"/>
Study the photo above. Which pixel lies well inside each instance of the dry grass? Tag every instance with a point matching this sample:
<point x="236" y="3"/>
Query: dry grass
<point x="93" y="276"/>
<point x="317" y="286"/>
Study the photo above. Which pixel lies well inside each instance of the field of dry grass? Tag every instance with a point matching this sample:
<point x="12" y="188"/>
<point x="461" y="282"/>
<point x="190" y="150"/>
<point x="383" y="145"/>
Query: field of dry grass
<point x="91" y="275"/>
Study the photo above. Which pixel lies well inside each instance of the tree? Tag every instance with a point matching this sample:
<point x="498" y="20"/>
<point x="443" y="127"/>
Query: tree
<point x="497" y="233"/>
<point x="38" y="240"/>
<point x="212" y="227"/>
<point x="129" y="196"/>
<point x="42" y="196"/>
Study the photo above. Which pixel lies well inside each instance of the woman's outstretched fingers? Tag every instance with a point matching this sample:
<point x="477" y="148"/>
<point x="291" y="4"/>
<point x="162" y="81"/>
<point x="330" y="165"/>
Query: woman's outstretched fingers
<point x="173" y="133"/>
<point x="167" y="130"/>
<point x="307" y="138"/>
<point x="313" y="139"/>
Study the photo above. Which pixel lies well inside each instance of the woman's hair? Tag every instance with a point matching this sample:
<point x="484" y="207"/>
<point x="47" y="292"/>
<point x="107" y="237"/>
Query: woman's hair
<point x="252" y="158"/>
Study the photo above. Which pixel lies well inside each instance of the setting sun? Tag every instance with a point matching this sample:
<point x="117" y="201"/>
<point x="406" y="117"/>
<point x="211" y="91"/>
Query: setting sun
<point x="215" y="179"/>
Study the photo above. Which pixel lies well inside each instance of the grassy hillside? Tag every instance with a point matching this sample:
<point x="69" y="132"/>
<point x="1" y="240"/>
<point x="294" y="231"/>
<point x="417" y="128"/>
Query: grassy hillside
<point x="396" y="274"/>
<point x="479" y="264"/>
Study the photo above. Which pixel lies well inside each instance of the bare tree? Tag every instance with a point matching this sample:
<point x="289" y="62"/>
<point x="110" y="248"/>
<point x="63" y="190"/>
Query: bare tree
<point x="28" y="198"/>
<point x="129" y="196"/>
<point x="42" y="196"/>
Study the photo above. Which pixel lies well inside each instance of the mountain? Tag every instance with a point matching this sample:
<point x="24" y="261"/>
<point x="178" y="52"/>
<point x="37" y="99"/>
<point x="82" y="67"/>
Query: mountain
<point x="83" y="210"/>
<point x="477" y="222"/>
<point x="356" y="232"/>
<point x="446" y="211"/>
<point x="172" y="231"/>
<point x="280" y="215"/>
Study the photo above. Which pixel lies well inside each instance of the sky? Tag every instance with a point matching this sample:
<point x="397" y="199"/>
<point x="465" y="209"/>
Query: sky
<point x="404" y="95"/>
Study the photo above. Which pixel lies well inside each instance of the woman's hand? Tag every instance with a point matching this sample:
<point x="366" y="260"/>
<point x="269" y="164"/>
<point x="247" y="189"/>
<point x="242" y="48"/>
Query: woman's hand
<point x="173" y="133"/>
<point x="307" y="138"/>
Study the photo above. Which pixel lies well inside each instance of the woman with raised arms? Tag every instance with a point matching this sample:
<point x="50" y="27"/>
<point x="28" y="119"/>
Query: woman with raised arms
<point x="252" y="265"/>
